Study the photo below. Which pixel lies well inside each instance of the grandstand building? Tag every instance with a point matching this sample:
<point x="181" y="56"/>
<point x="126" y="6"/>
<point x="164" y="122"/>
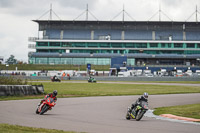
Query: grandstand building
<point x="97" y="42"/>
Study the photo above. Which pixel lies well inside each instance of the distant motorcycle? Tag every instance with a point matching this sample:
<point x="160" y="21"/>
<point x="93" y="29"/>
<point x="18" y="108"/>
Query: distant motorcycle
<point x="45" y="106"/>
<point x="138" y="112"/>
<point x="92" y="80"/>
<point x="55" y="79"/>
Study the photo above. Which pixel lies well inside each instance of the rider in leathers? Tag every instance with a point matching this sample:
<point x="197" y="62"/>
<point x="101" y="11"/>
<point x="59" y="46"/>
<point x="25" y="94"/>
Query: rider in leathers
<point x="144" y="97"/>
<point x="52" y="95"/>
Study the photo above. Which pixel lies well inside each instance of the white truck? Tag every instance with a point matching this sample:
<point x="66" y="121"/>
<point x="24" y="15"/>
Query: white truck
<point x="124" y="74"/>
<point x="139" y="72"/>
<point x="189" y="73"/>
<point x="179" y="73"/>
<point x="198" y="72"/>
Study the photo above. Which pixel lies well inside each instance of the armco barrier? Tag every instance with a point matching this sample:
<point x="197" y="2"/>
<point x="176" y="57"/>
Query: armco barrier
<point x="12" y="90"/>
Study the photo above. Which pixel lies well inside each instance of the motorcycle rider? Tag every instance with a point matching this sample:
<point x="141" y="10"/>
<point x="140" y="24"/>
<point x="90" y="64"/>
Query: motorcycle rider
<point x="52" y="95"/>
<point x="144" y="97"/>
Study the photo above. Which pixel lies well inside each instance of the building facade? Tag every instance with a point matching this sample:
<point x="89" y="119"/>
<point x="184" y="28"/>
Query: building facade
<point x="97" y="42"/>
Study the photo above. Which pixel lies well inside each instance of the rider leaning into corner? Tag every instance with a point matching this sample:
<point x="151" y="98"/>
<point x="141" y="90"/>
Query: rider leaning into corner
<point x="144" y="97"/>
<point x="52" y="95"/>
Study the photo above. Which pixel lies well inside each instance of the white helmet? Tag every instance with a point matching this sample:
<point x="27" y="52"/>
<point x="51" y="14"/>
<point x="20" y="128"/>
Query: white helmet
<point x="145" y="95"/>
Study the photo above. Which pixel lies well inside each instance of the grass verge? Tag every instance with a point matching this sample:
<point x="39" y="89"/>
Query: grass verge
<point x="191" y="110"/>
<point x="6" y="128"/>
<point x="103" y="89"/>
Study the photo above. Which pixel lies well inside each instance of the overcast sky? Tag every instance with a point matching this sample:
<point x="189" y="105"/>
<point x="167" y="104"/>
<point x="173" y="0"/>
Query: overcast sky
<point x="16" y="15"/>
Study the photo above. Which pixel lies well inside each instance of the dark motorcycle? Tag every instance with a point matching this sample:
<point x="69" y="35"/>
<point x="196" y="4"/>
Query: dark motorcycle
<point x="55" y="79"/>
<point x="137" y="112"/>
<point x="45" y="106"/>
<point x="92" y="80"/>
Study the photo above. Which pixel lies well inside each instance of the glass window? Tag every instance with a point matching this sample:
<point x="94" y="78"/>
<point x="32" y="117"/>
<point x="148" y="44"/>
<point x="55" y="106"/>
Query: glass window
<point x="66" y="44"/>
<point x="103" y="61"/>
<point x="54" y="61"/>
<point x="91" y="61"/>
<point x="190" y="45"/>
<point x="92" y="45"/>
<point x="140" y="45"/>
<point x="42" y="50"/>
<point x="42" y="43"/>
<point x="78" y="61"/>
<point x="41" y="61"/>
<point x="163" y="45"/>
<point x="66" y="61"/>
<point x="153" y="45"/>
<point x="178" y="45"/>
<point x="169" y="45"/>
<point x="32" y="60"/>
<point x="133" y="51"/>
<point x="198" y="45"/>
<point x="79" y="44"/>
<point x="116" y="45"/>
<point x="105" y="45"/>
<point x="55" y="44"/>
<point x="129" y="45"/>
<point x="131" y="62"/>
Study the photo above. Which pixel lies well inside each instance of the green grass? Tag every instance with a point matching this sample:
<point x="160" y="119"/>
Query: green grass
<point x="5" y="128"/>
<point x="191" y="111"/>
<point x="104" y="89"/>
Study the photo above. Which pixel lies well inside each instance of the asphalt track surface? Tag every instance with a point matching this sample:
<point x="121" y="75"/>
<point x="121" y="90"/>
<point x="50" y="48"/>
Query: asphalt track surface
<point x="97" y="114"/>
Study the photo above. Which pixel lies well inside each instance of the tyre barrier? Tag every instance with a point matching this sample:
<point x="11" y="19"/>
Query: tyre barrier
<point x="13" y="90"/>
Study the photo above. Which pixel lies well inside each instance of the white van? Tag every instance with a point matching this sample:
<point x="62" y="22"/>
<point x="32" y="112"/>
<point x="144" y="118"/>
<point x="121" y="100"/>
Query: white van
<point x="198" y="72"/>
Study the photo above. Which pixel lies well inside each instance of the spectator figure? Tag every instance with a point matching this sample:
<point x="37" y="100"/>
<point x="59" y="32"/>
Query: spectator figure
<point x="63" y="75"/>
<point x="103" y="73"/>
<point x="68" y="75"/>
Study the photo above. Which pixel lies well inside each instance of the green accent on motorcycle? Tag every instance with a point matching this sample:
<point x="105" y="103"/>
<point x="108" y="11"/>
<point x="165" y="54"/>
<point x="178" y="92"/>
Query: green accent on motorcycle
<point x="133" y="116"/>
<point x="139" y="107"/>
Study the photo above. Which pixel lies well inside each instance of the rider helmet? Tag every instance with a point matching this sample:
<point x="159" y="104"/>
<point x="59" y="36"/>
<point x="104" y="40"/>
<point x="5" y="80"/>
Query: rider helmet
<point x="55" y="93"/>
<point x="145" y="95"/>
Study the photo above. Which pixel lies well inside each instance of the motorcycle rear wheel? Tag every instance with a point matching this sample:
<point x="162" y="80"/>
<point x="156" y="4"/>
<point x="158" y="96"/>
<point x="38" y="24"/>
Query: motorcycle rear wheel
<point x="128" y="116"/>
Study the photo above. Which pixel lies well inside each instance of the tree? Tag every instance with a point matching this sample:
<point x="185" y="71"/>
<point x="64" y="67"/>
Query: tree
<point x="11" y="60"/>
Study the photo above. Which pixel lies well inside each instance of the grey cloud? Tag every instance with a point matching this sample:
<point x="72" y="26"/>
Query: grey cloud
<point x="6" y="3"/>
<point x="78" y="4"/>
<point x="26" y="7"/>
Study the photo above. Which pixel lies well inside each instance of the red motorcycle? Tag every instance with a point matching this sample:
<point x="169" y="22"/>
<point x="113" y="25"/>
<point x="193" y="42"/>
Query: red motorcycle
<point x="45" y="106"/>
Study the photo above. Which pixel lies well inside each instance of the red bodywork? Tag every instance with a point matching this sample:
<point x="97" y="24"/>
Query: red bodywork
<point x="49" y="101"/>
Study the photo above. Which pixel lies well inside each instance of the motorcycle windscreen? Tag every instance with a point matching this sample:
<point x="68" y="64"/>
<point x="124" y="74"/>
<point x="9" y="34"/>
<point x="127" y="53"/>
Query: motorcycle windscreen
<point x="144" y="105"/>
<point x="51" y="100"/>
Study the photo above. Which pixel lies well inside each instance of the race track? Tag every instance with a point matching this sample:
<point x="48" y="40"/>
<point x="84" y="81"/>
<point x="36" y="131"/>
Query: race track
<point x="97" y="114"/>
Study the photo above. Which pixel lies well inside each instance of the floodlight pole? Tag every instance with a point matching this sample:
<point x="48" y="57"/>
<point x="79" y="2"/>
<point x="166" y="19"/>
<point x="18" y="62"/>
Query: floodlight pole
<point x="50" y="12"/>
<point x="159" y="12"/>
<point x="196" y="14"/>
<point x="123" y="14"/>
<point x="87" y="12"/>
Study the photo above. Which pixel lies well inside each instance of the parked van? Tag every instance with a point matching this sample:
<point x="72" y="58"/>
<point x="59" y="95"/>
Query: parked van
<point x="188" y="73"/>
<point x="198" y="72"/>
<point x="179" y="73"/>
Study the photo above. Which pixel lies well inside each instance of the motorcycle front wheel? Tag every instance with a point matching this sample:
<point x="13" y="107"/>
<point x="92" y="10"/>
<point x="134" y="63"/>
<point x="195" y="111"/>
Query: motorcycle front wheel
<point x="139" y="115"/>
<point x="37" y="111"/>
<point x="44" y="109"/>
